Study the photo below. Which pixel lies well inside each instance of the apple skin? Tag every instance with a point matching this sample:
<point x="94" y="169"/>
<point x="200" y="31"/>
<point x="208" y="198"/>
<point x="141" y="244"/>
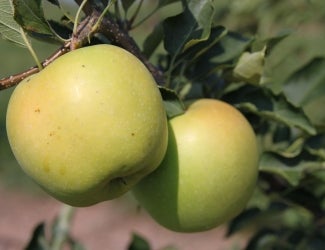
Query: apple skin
<point x="88" y="126"/>
<point x="209" y="171"/>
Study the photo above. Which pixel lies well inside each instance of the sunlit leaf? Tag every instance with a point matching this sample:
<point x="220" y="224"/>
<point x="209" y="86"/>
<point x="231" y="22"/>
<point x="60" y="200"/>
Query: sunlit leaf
<point x="250" y="67"/>
<point x="9" y="28"/>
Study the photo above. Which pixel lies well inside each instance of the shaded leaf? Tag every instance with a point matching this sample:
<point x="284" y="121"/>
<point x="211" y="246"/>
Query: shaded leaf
<point x="216" y="54"/>
<point x="30" y="15"/>
<point x="242" y="220"/>
<point x="191" y="26"/>
<point x="60" y="28"/>
<point x="138" y="243"/>
<point x="172" y="103"/>
<point x="230" y="47"/>
<point x="293" y="170"/>
<point x="153" y="40"/>
<point x="178" y="30"/>
<point x="55" y="2"/>
<point x="203" y="11"/>
<point x="163" y="3"/>
<point x="277" y="108"/>
<point x="307" y="84"/>
<point x="200" y="49"/>
<point x="271" y="164"/>
<point x="264" y="239"/>
<point x="306" y="88"/>
<point x="127" y="4"/>
<point x="38" y="241"/>
<point x="9" y="28"/>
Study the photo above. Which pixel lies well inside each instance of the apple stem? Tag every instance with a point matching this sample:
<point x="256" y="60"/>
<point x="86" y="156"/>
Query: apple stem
<point x="62" y="228"/>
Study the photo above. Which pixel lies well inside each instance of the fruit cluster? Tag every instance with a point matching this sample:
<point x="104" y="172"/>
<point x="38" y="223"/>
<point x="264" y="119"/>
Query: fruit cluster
<point x="92" y="126"/>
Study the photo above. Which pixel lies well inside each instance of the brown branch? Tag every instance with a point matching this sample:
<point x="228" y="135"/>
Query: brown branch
<point x="120" y="36"/>
<point x="80" y="38"/>
<point x="109" y="27"/>
<point x="15" y="79"/>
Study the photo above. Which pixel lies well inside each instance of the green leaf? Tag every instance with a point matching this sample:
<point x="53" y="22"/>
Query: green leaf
<point x="200" y="49"/>
<point x="55" y="2"/>
<point x="178" y="30"/>
<point x="230" y="47"/>
<point x="127" y="4"/>
<point x="306" y="89"/>
<point x="138" y="243"/>
<point x="203" y="11"/>
<point x="30" y="15"/>
<point x="172" y="103"/>
<point x="153" y="40"/>
<point x="293" y="170"/>
<point x="243" y="220"/>
<point x="276" y="108"/>
<point x="9" y="28"/>
<point x="190" y="27"/>
<point x="38" y="241"/>
<point x="250" y="67"/>
<point x="163" y="3"/>
<point x="264" y="239"/>
<point x="307" y="84"/>
<point x="271" y="164"/>
<point x="215" y="54"/>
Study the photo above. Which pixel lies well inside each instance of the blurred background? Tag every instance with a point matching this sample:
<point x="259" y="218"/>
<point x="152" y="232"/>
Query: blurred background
<point x="24" y="205"/>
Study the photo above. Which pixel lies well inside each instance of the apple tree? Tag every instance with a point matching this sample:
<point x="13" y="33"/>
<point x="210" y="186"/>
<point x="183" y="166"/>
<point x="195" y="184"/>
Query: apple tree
<point x="239" y="52"/>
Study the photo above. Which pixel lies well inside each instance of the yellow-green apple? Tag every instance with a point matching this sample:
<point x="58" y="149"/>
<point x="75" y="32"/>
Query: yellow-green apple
<point x="209" y="171"/>
<point x="88" y="126"/>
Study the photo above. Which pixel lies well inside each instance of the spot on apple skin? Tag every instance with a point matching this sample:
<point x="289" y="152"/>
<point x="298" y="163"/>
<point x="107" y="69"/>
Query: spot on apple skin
<point x="62" y="171"/>
<point x="46" y="167"/>
<point x="37" y="110"/>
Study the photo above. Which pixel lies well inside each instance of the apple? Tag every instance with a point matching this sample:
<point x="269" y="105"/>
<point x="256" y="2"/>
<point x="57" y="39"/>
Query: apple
<point x="89" y="126"/>
<point x="208" y="173"/>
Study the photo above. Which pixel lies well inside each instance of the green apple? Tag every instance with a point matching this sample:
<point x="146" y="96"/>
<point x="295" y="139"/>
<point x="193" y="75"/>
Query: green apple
<point x="89" y="126"/>
<point x="209" y="171"/>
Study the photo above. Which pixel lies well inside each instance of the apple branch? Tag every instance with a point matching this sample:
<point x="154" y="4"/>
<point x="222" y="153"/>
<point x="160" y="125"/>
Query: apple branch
<point x="108" y="26"/>
<point x="117" y="33"/>
<point x="16" y="78"/>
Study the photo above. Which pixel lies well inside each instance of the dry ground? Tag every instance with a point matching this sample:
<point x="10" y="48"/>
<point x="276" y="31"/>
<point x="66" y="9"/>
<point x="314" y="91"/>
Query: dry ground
<point x="108" y="225"/>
